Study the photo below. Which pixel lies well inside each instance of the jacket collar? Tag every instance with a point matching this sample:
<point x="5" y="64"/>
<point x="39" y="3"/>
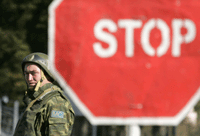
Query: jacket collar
<point x="41" y="90"/>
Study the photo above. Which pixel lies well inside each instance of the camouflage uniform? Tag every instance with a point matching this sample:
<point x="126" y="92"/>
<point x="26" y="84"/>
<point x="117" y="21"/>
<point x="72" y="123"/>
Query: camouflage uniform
<point x="48" y="113"/>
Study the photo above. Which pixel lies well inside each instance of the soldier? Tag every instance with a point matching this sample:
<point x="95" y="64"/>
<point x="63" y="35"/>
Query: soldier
<point x="48" y="112"/>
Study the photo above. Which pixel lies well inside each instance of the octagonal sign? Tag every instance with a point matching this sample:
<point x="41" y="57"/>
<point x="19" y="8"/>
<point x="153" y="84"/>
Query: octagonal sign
<point x="127" y="62"/>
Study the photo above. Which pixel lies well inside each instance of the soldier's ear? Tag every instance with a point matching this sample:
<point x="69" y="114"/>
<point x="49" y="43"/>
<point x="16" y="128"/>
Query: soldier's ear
<point x="48" y="77"/>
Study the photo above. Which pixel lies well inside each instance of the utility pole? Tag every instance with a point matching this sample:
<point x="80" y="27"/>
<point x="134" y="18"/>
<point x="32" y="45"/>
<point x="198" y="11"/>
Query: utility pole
<point x="16" y="114"/>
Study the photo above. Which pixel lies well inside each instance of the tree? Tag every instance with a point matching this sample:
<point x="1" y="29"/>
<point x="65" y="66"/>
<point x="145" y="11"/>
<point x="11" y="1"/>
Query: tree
<point x="29" y="18"/>
<point x="12" y="51"/>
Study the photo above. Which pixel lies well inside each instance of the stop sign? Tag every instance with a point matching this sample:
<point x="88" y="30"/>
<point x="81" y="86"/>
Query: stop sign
<point x="127" y="62"/>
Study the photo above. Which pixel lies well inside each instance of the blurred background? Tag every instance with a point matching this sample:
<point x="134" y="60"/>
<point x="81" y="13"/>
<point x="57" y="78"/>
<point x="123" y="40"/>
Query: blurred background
<point x="23" y="29"/>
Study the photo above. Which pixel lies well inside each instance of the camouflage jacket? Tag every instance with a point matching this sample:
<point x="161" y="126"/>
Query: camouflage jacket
<point x="49" y="113"/>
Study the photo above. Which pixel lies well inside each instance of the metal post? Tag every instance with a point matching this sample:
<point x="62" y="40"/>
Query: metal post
<point x="0" y="115"/>
<point x="94" y="130"/>
<point x="16" y="114"/>
<point x="172" y="131"/>
<point x="134" y="130"/>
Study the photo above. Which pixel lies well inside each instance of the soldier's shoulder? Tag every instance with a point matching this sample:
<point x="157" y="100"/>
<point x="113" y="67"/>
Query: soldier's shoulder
<point x="59" y="101"/>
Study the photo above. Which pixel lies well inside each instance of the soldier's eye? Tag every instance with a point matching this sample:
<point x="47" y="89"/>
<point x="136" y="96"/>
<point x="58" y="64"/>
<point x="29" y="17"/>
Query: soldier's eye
<point x="25" y="73"/>
<point x="34" y="73"/>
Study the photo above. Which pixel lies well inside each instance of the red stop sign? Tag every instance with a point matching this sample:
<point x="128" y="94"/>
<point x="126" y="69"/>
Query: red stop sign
<point x="127" y="62"/>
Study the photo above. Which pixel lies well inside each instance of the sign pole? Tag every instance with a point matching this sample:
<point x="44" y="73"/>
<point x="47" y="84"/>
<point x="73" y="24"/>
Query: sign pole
<point x="134" y="130"/>
<point x="94" y="130"/>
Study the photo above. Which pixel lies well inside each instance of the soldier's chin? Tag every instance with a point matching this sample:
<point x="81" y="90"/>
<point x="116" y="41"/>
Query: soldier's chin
<point x="31" y="87"/>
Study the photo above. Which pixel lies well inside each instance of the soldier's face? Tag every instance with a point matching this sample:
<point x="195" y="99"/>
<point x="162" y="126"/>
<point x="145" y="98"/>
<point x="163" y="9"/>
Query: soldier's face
<point x="32" y="74"/>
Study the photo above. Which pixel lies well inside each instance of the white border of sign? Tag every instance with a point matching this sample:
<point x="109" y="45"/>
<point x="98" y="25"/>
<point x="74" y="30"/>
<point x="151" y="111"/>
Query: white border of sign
<point x="107" y="120"/>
